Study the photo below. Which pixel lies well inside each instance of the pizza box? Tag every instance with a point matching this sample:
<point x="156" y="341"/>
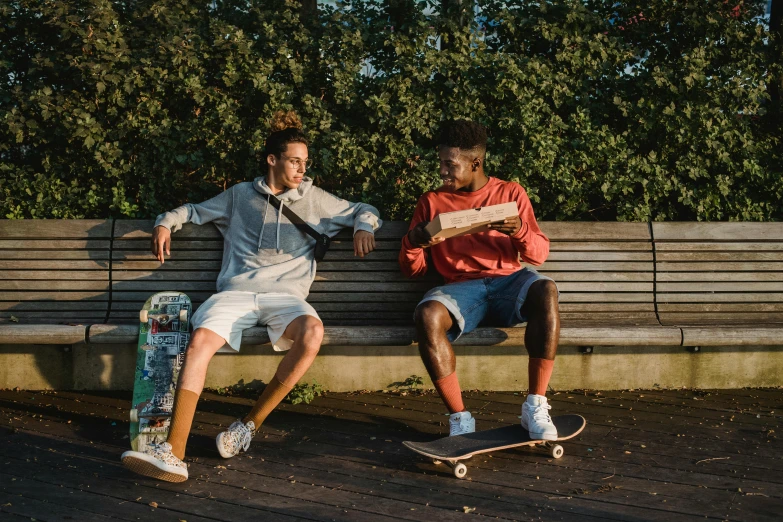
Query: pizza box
<point x="470" y="221"/>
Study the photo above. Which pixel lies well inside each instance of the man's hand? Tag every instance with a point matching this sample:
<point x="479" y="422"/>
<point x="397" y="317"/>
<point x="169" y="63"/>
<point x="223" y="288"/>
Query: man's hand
<point x="161" y="242"/>
<point x="420" y="237"/>
<point x="363" y="243"/>
<point x="509" y="226"/>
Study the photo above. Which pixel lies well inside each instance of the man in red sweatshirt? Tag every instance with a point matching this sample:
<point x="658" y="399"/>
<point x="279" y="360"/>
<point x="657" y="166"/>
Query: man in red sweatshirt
<point x="485" y="282"/>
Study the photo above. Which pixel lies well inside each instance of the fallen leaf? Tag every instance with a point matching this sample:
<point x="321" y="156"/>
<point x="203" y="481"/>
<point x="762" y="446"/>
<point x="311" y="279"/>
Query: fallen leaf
<point x="154" y="504"/>
<point x="467" y="509"/>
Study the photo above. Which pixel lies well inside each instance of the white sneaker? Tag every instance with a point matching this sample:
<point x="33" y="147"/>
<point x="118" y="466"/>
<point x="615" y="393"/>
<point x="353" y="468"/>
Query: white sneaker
<point x="158" y="462"/>
<point x="235" y="439"/>
<point x="461" y="423"/>
<point x="535" y="418"/>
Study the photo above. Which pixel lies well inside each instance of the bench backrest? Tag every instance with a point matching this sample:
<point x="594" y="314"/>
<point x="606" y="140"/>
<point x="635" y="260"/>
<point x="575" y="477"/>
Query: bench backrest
<point x="95" y="271"/>
<point x="718" y="273"/>
<point x="54" y="271"/>
<point x="604" y="271"/>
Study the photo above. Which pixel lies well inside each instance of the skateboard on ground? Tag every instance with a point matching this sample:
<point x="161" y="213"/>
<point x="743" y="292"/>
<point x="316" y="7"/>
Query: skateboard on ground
<point x="163" y="336"/>
<point x="460" y="447"/>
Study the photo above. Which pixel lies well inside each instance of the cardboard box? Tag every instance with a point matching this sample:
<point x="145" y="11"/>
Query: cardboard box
<point x="470" y="221"/>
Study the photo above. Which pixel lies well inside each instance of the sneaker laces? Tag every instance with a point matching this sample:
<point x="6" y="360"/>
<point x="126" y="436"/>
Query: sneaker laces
<point x="163" y="453"/>
<point x="238" y="436"/>
<point x="540" y="413"/>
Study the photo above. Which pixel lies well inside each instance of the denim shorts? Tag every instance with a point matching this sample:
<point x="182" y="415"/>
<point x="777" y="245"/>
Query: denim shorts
<point x="489" y="301"/>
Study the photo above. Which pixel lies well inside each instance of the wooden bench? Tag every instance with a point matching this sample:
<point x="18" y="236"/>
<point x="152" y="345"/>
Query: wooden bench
<point x="722" y="283"/>
<point x="629" y="284"/>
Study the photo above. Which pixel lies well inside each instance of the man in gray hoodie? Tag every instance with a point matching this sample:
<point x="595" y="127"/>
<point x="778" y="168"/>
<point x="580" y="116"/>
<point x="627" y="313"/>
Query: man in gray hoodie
<point x="268" y="267"/>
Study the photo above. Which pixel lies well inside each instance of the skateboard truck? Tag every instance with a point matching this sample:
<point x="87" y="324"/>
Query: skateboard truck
<point x="163" y="319"/>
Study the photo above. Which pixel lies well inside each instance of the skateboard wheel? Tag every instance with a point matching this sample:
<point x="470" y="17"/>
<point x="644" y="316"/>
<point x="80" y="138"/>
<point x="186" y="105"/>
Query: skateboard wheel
<point x="556" y="451"/>
<point x="134" y="415"/>
<point x="460" y="470"/>
<point x="143" y="316"/>
<point x="183" y="315"/>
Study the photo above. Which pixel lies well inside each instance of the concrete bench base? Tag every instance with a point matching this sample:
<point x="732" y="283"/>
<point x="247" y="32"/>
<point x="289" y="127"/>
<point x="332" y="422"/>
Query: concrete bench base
<point x="345" y="368"/>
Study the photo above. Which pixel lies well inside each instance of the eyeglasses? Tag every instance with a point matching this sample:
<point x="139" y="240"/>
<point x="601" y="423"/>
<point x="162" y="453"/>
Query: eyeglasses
<point x="298" y="163"/>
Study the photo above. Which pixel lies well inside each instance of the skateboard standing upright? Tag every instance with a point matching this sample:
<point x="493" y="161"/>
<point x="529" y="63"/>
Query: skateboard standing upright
<point x="460" y="447"/>
<point x="163" y="336"/>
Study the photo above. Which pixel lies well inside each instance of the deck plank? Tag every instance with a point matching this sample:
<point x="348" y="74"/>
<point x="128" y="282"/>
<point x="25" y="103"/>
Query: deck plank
<point x="645" y="455"/>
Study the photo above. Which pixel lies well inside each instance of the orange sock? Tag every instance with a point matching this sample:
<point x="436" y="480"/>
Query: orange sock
<point x="272" y="395"/>
<point x="181" y="419"/>
<point x="450" y="393"/>
<point x="539" y="371"/>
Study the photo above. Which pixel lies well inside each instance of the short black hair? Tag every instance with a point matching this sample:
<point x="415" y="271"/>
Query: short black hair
<point x="465" y="135"/>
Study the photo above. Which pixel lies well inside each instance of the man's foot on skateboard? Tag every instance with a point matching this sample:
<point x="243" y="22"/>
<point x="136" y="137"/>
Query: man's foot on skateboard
<point x="535" y="418"/>
<point x="235" y="439"/>
<point x="461" y="423"/>
<point x="158" y="462"/>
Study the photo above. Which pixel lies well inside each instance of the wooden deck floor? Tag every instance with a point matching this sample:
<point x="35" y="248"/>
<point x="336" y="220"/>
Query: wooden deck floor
<point x="645" y="455"/>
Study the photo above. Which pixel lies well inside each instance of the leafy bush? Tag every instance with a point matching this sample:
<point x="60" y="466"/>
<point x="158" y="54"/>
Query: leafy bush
<point x="601" y="109"/>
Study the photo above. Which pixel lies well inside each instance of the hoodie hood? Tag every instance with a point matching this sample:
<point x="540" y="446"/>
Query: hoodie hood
<point x="288" y="196"/>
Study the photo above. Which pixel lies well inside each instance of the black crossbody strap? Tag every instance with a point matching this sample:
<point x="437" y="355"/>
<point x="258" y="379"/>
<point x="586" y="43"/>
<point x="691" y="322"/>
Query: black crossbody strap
<point x="300" y="223"/>
<point x="322" y="241"/>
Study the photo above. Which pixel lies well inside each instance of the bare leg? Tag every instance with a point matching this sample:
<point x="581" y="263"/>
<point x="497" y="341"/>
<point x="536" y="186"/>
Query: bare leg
<point x="307" y="332"/>
<point x="433" y="320"/>
<point x="202" y="347"/>
<point x="542" y="333"/>
<point x="543" y="320"/>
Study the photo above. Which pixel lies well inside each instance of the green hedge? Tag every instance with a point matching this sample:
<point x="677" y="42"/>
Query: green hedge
<point x="601" y="109"/>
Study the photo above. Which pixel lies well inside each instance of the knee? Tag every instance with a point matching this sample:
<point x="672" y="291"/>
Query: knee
<point x="432" y="318"/>
<point x="311" y="334"/>
<point x="543" y="298"/>
<point x="203" y="344"/>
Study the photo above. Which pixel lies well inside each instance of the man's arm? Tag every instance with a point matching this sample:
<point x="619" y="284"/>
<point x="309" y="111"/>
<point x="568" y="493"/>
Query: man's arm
<point x="530" y="242"/>
<point x="217" y="210"/>
<point x="364" y="218"/>
<point x="413" y="258"/>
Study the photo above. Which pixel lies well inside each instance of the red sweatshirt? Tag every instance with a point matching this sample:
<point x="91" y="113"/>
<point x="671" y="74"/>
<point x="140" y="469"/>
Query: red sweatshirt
<point x="485" y="254"/>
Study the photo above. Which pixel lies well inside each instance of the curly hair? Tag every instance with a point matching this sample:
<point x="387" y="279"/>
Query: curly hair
<point x="466" y="135"/>
<point x="286" y="128"/>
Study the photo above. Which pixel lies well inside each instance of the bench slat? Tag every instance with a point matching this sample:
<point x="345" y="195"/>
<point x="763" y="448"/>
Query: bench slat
<point x="24" y="285"/>
<point x="54" y="296"/>
<point x="720" y="256"/>
<point x="56" y="228"/>
<point x="58" y="255"/>
<point x="55" y="265"/>
<point x="739" y="246"/>
<point x="756" y="334"/>
<point x="54" y="244"/>
<point x="690" y="232"/>
<point x="84" y="275"/>
<point x="746" y="266"/>
<point x="721" y="319"/>
<point x="719" y="276"/>
<point x="720" y="307"/>
<point x="710" y="287"/>
<point x="729" y="297"/>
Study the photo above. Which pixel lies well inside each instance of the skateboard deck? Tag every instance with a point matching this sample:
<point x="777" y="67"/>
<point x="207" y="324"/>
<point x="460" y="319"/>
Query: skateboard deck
<point x="461" y="447"/>
<point x="164" y="323"/>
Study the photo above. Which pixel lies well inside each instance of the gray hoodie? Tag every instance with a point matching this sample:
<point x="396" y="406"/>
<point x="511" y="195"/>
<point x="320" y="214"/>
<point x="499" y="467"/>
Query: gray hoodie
<point x="262" y="250"/>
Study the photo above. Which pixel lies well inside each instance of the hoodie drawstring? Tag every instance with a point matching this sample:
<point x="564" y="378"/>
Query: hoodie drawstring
<point x="263" y="223"/>
<point x="277" y="244"/>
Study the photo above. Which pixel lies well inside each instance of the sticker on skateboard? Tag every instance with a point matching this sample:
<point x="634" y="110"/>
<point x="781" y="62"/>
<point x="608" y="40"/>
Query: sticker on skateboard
<point x="164" y="333"/>
<point x="460" y="447"/>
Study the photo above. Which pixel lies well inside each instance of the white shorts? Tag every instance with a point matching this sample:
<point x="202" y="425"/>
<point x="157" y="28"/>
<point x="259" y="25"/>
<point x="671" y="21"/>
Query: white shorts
<point x="229" y="313"/>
